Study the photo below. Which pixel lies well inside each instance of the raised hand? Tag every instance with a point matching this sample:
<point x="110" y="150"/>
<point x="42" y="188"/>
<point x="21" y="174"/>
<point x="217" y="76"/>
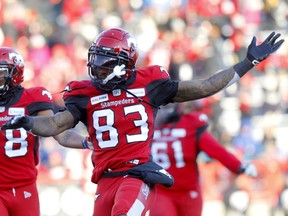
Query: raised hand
<point x="25" y="122"/>
<point x="256" y="54"/>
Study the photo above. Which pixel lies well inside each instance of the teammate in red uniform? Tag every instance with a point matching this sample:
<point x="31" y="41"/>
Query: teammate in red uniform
<point x="180" y="136"/>
<point x="19" y="148"/>
<point x="118" y="105"/>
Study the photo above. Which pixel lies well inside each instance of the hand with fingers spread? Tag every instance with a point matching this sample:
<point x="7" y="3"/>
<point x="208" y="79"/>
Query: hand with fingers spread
<point x="256" y="54"/>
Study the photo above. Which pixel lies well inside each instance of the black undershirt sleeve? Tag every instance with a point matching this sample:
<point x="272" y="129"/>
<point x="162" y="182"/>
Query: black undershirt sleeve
<point x="161" y="92"/>
<point x="77" y="105"/>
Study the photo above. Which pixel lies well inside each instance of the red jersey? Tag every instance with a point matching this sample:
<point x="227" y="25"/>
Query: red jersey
<point x="177" y="146"/>
<point x="19" y="148"/>
<point x="120" y="123"/>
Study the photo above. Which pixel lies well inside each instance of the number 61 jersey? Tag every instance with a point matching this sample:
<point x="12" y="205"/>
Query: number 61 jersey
<point x="120" y="123"/>
<point x="19" y="148"/>
<point x="177" y="145"/>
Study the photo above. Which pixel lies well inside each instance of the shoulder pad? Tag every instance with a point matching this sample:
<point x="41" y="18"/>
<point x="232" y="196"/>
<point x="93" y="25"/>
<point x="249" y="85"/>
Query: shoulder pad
<point x="75" y="87"/>
<point x="198" y="118"/>
<point x="155" y="72"/>
<point x="39" y="93"/>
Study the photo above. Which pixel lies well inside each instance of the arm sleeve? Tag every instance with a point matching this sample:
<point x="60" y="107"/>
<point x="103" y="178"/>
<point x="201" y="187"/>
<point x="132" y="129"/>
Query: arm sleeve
<point x="77" y="106"/>
<point x="215" y="150"/>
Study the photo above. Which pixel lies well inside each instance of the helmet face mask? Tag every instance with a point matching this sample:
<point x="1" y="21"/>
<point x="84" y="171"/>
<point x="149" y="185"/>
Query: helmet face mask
<point x="4" y="74"/>
<point x="111" y="48"/>
<point x="11" y="69"/>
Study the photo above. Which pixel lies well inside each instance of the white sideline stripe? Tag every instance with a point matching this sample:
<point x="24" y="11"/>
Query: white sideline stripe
<point x="136" y="209"/>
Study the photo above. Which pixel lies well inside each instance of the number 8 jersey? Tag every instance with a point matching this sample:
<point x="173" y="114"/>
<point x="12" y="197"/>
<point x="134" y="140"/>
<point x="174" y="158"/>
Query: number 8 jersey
<point x="19" y="148"/>
<point x="120" y="123"/>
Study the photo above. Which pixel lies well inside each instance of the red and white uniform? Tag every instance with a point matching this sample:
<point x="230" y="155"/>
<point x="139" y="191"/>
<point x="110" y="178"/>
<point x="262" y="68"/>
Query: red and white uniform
<point x="19" y="154"/>
<point x="176" y="147"/>
<point x="121" y="126"/>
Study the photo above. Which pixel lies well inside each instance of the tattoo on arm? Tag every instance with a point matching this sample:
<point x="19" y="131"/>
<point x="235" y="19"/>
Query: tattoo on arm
<point x="52" y="125"/>
<point x="196" y="89"/>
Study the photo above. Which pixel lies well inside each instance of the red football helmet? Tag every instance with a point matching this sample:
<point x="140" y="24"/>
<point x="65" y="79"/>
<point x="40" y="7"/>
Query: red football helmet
<point x="111" y="48"/>
<point x="11" y="68"/>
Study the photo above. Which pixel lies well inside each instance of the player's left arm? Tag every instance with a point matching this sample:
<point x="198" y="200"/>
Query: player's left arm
<point x="196" y="89"/>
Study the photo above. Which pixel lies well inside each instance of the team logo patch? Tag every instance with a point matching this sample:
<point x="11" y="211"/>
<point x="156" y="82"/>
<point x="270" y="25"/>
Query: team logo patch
<point x="27" y="194"/>
<point x="16" y="111"/>
<point x="162" y="69"/>
<point x="67" y="88"/>
<point x="99" y="99"/>
<point x="17" y="59"/>
<point x="47" y="93"/>
<point x="116" y="92"/>
<point x="139" y="92"/>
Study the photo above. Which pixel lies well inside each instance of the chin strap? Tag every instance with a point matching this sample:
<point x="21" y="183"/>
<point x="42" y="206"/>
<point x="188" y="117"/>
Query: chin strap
<point x="118" y="71"/>
<point x="138" y="98"/>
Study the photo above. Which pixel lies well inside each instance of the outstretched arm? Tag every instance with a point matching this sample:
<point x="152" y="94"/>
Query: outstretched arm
<point x="68" y="138"/>
<point x="51" y="125"/>
<point x="196" y="89"/>
<point x="42" y="125"/>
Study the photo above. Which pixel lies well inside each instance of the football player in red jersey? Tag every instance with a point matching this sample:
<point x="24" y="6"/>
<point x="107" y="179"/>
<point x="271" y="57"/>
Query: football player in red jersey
<point x="19" y="148"/>
<point x="180" y="136"/>
<point x="118" y="105"/>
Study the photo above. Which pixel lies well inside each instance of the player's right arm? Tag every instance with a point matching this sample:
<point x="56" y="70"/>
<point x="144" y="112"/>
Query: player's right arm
<point x="52" y="125"/>
<point x="42" y="125"/>
<point x="68" y="138"/>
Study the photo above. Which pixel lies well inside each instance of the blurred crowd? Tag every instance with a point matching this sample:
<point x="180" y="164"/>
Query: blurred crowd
<point x="191" y="38"/>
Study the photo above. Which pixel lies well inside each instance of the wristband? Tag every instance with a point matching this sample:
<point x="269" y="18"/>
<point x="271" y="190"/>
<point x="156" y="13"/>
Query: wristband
<point x="84" y="143"/>
<point x="243" y="67"/>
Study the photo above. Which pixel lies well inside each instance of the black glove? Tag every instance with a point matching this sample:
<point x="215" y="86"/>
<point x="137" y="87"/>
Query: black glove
<point x="25" y="122"/>
<point x="256" y="54"/>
